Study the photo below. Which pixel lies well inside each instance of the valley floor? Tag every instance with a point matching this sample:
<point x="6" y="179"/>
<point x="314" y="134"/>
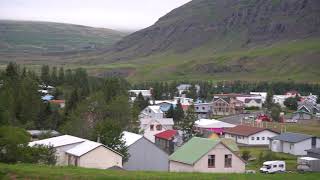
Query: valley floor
<point x="26" y="171"/>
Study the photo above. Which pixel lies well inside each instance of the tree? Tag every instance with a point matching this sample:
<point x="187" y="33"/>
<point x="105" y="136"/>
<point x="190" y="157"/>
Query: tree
<point x="141" y="102"/>
<point x="269" y="99"/>
<point x="170" y="112"/>
<point x="45" y="74"/>
<point x="275" y="112"/>
<point x="109" y="133"/>
<point x="61" y="78"/>
<point x="192" y="92"/>
<point x="291" y="103"/>
<point x="54" y="76"/>
<point x="246" y="155"/>
<point x="178" y="114"/>
<point x="187" y="124"/>
<point x="12" y="140"/>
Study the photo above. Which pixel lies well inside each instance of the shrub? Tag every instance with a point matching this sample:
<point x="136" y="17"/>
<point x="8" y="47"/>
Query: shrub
<point x="246" y="155"/>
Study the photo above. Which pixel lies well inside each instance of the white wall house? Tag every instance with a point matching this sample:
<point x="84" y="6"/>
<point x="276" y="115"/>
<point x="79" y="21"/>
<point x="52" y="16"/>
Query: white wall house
<point x="152" y="112"/>
<point x="153" y="126"/>
<point x="293" y="143"/>
<point x="206" y="155"/>
<point x="262" y="94"/>
<point x="80" y="152"/>
<point x="253" y="103"/>
<point x="248" y="135"/>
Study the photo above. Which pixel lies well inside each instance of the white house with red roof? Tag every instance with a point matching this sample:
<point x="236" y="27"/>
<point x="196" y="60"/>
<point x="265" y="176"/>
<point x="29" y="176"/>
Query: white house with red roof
<point x="153" y="126"/>
<point x="169" y="140"/>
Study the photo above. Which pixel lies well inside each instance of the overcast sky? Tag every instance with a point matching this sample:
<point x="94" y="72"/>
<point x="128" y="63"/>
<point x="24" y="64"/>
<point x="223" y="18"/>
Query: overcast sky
<point x="114" y="14"/>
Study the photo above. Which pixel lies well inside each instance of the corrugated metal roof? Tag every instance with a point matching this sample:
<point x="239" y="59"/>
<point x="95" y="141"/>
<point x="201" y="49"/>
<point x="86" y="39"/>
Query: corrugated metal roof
<point x="291" y="137"/>
<point x="130" y="137"/>
<point x="83" y="148"/>
<point x="58" y="141"/>
<point x="168" y="134"/>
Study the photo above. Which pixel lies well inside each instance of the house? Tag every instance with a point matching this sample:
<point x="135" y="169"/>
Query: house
<point x="206" y="155"/>
<point x="262" y="94"/>
<point x="60" y="103"/>
<point x="169" y="140"/>
<point x="153" y="126"/>
<point x="185" y="87"/>
<point x="301" y="115"/>
<point x="248" y="135"/>
<point x="279" y="99"/>
<point x="308" y="106"/>
<point x="292" y="93"/>
<point x="315" y="153"/>
<point x="227" y="105"/>
<point x="203" y="110"/>
<point x="152" y="112"/>
<point x="47" y="97"/>
<point x="212" y="125"/>
<point x="37" y="134"/>
<point x="147" y="94"/>
<point x="144" y="155"/>
<point x="250" y="103"/>
<point x="293" y="143"/>
<point x="80" y="152"/>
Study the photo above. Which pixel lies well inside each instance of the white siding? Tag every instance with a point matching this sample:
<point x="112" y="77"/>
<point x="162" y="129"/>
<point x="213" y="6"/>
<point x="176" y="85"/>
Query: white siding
<point x="238" y="166"/>
<point x="263" y="138"/>
<point x="61" y="155"/>
<point x="101" y="158"/>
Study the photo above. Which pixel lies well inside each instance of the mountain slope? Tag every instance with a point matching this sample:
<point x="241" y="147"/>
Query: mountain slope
<point x="225" y="40"/>
<point x="45" y="37"/>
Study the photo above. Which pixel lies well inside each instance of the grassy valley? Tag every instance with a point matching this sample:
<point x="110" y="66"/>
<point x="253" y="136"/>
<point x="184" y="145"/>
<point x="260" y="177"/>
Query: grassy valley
<point x="25" y="171"/>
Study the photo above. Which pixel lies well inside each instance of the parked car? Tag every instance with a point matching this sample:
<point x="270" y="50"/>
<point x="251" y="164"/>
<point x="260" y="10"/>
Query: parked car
<point x="263" y="117"/>
<point x="273" y="167"/>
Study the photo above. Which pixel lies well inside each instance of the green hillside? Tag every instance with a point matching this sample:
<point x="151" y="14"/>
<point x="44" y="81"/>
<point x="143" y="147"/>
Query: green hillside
<point x="23" y="171"/>
<point x="45" y="37"/>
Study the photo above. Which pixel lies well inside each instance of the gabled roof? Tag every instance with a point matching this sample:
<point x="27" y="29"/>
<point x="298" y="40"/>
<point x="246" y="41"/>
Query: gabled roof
<point x="194" y="150"/>
<point x="249" y="100"/>
<point x="168" y="134"/>
<point x="212" y="123"/>
<point x="155" y="109"/>
<point x="246" y="131"/>
<point x="314" y="150"/>
<point x="130" y="138"/>
<point x="83" y="148"/>
<point x="292" y="137"/>
<point x="58" y="141"/>
<point x="162" y="121"/>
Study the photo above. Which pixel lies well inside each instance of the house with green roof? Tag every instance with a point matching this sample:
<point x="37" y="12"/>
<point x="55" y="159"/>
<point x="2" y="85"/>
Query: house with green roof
<point x="206" y="155"/>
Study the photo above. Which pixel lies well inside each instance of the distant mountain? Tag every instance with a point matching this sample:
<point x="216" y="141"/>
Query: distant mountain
<point x="226" y="39"/>
<point x="46" y="37"/>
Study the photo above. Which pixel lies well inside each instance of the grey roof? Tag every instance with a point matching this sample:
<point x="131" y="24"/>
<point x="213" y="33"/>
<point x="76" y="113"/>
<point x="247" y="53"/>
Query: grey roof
<point x="292" y="137"/>
<point x="314" y="150"/>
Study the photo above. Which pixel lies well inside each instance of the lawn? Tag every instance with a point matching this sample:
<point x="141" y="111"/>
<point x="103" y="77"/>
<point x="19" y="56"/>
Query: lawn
<point x="25" y="171"/>
<point x="254" y="164"/>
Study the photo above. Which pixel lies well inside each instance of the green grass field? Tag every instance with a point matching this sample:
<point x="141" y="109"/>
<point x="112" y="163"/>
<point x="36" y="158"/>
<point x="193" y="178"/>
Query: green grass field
<point x="25" y="171"/>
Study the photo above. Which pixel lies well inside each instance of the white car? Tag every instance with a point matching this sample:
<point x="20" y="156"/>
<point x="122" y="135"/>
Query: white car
<point x="273" y="167"/>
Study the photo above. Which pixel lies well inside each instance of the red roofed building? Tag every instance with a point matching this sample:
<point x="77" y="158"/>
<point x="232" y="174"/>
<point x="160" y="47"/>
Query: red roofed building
<point x="60" y="103"/>
<point x="168" y="140"/>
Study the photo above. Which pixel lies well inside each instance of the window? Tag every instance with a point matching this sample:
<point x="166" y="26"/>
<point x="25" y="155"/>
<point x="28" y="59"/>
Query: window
<point x="258" y="138"/>
<point x="274" y="166"/>
<point x="263" y="138"/>
<point x="197" y="108"/>
<point x="291" y="146"/>
<point x="228" y="160"/>
<point x="281" y="165"/>
<point x="203" y="108"/>
<point x="211" y="161"/>
<point x="159" y="127"/>
<point x="252" y="138"/>
<point x="151" y="127"/>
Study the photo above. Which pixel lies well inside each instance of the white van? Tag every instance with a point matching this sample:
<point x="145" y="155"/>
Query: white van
<point x="273" y="167"/>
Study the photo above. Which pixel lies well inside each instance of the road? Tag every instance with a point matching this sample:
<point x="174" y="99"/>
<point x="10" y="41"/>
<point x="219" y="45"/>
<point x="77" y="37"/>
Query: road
<point x="236" y="119"/>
